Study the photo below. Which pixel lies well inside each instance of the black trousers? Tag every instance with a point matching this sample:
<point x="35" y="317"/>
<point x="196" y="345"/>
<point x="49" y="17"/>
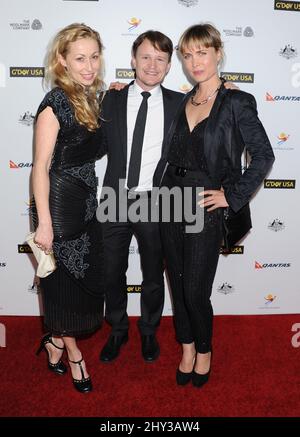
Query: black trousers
<point x="117" y="238"/>
<point x="191" y="260"/>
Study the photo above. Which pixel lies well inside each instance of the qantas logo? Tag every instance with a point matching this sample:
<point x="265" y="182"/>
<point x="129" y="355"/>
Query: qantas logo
<point x="271" y="265"/>
<point x="13" y="165"/>
<point x="270" y="98"/>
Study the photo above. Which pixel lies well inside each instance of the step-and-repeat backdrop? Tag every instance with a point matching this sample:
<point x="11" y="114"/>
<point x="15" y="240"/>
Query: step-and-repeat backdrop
<point x="262" y="45"/>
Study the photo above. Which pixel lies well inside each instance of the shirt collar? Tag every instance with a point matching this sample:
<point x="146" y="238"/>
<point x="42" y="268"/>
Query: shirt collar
<point x="154" y="92"/>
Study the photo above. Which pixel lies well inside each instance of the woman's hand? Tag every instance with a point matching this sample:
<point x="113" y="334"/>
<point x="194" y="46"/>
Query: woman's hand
<point x="44" y="237"/>
<point x="213" y="199"/>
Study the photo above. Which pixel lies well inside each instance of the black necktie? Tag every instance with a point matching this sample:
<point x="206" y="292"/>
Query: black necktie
<point x="137" y="143"/>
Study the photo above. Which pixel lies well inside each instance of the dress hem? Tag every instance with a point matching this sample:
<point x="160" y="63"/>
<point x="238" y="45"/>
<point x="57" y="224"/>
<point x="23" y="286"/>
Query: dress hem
<point x="72" y="333"/>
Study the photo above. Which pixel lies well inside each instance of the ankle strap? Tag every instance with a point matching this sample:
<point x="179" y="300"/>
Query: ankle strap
<point x="76" y="362"/>
<point x="80" y="366"/>
<point x="57" y="347"/>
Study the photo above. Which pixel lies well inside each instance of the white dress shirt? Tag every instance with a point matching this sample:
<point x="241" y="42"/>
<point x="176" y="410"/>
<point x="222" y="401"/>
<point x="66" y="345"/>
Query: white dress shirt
<point x="154" y="132"/>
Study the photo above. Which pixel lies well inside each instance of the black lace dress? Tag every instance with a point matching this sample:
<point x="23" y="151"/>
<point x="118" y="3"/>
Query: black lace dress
<point x="73" y="293"/>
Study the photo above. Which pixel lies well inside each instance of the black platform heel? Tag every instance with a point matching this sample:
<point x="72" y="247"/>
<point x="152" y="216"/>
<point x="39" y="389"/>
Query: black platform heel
<point x="198" y="379"/>
<point x="83" y="385"/>
<point x="58" y="367"/>
<point x="183" y="378"/>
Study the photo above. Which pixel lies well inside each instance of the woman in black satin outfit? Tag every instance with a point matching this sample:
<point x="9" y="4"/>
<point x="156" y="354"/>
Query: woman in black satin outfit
<point x="209" y="134"/>
<point x="68" y="140"/>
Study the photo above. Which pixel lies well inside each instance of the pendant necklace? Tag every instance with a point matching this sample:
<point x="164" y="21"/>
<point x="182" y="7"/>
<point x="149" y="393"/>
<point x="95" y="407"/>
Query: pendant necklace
<point x="202" y="102"/>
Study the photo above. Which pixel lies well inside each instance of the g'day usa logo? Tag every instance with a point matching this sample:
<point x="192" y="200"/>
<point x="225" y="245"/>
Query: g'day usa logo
<point x="133" y="288"/>
<point x="26" y="72"/>
<point x="287" y="6"/>
<point x="280" y="183"/>
<point x="238" y="77"/>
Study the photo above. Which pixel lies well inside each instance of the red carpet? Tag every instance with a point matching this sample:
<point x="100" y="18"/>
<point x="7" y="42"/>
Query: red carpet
<point x="256" y="372"/>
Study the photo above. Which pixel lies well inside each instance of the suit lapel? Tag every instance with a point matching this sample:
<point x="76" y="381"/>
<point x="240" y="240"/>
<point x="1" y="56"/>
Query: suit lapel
<point x="211" y="146"/>
<point x="167" y="101"/>
<point x="121" y="103"/>
<point x="171" y="118"/>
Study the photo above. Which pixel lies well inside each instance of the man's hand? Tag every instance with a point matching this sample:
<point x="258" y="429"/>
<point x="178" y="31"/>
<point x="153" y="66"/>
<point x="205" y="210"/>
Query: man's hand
<point x="230" y="86"/>
<point x="118" y="86"/>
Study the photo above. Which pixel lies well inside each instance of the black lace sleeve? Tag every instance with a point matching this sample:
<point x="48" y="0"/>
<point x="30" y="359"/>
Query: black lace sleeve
<point x="58" y="101"/>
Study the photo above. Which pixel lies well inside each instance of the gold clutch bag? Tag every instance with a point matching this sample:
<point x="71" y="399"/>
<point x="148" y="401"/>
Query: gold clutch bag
<point x="46" y="263"/>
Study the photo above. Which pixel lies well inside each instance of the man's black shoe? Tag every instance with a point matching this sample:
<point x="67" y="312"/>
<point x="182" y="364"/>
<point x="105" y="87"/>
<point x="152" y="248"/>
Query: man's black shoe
<point x="112" y="347"/>
<point x="150" y="348"/>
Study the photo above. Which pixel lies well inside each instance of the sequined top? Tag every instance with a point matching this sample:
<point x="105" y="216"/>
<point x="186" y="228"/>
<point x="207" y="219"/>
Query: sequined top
<point x="75" y="144"/>
<point x="187" y="148"/>
<point x="72" y="168"/>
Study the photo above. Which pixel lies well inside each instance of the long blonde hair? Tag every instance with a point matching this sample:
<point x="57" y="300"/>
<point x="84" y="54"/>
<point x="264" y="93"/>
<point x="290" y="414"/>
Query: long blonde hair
<point x="86" y="106"/>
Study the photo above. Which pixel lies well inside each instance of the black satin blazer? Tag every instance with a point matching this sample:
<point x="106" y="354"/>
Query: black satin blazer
<point x="232" y="125"/>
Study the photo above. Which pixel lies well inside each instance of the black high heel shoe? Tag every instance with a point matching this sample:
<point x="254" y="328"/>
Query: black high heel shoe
<point x="198" y="379"/>
<point x="58" y="367"/>
<point x="83" y="385"/>
<point x="183" y="378"/>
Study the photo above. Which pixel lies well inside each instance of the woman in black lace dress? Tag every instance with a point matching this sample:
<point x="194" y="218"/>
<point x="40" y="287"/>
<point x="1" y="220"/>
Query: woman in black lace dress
<point x="211" y="129"/>
<point x="68" y="140"/>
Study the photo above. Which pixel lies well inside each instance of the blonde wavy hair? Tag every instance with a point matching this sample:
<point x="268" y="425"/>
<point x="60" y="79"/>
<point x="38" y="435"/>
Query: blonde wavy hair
<point x="87" y="106"/>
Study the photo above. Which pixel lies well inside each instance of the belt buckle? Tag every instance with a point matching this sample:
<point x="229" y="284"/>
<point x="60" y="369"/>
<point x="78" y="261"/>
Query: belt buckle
<point x="180" y="171"/>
